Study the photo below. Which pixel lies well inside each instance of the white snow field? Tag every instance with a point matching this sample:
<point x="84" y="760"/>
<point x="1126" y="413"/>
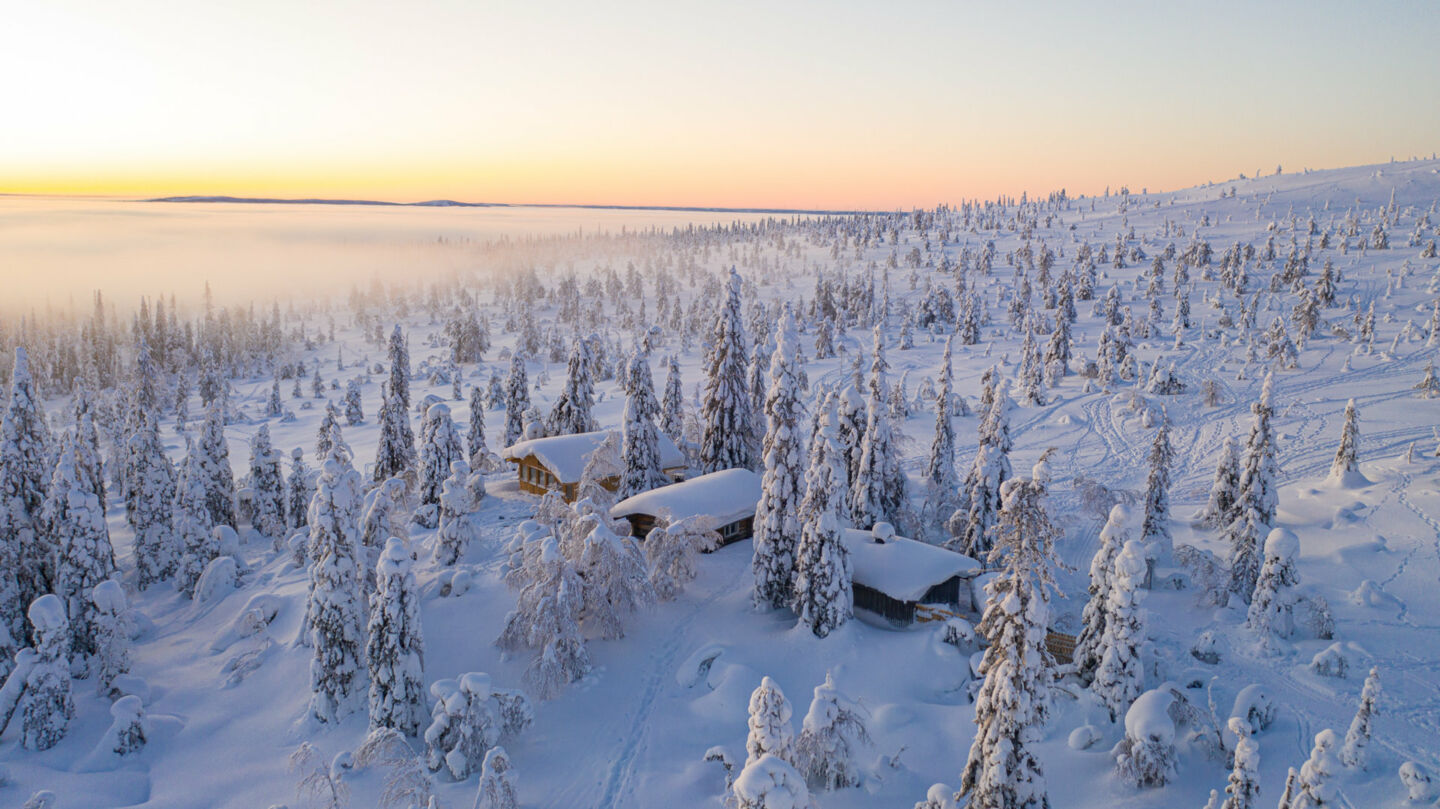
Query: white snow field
<point x="226" y="707"/>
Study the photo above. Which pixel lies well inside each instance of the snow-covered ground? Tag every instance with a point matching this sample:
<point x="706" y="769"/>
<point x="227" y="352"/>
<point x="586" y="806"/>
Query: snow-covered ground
<point x="228" y="711"/>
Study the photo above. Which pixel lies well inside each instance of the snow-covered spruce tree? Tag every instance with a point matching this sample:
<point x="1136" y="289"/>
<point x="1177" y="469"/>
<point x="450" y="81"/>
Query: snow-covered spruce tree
<point x="1220" y="509"/>
<point x="769" y="723"/>
<point x="24" y="476"/>
<point x="777" y="515"/>
<point x="87" y="452"/>
<point x="382" y="518"/>
<point x="672" y="552"/>
<point x="395" y="451"/>
<point x="395" y="651"/>
<point x="517" y="400"/>
<point x="354" y="411"/>
<point x="1314" y="788"/>
<point x="980" y="503"/>
<point x="149" y="503"/>
<point x="1244" y="786"/>
<point x="878" y="491"/>
<point x="941" y="479"/>
<point x="725" y="412"/>
<point x="1255" y="505"/>
<point x="1013" y="703"/>
<point x="112" y="625"/>
<point x="1292" y="783"/>
<point x="572" y="412"/>
<point x="194" y="527"/>
<point x="298" y="491"/>
<point x="439" y="448"/>
<point x="267" y="480"/>
<point x="334" y="615"/>
<point x="1120" y="677"/>
<point x="850" y="407"/>
<point x="1353" y="754"/>
<point x="640" y="440"/>
<point x="547" y="618"/>
<point x="215" y="461"/>
<point x="1346" y="465"/>
<point x="1155" y="531"/>
<point x="1145" y="757"/>
<point x="46" y="706"/>
<point x="497" y="790"/>
<point x="771" y="782"/>
<point x="469" y="718"/>
<point x="822" y="588"/>
<point x="456" y="531"/>
<point x="832" y="732"/>
<point x="616" y="581"/>
<point x="274" y="407"/>
<point x="475" y="438"/>
<point x="1272" y="606"/>
<point x="1089" y="644"/>
<point x="325" y="435"/>
<point x="672" y="404"/>
<point x="75" y="526"/>
<point x="399" y="354"/>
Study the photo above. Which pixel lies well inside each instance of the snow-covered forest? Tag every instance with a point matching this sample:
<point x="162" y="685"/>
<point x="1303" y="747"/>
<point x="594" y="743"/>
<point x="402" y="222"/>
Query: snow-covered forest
<point x="1125" y="500"/>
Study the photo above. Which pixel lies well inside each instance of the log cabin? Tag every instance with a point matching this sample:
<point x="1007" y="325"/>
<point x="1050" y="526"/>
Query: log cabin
<point x="556" y="463"/>
<point x="895" y="576"/>
<point x="729" y="497"/>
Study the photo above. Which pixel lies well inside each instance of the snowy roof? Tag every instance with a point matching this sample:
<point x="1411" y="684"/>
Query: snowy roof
<point x="728" y="495"/>
<point x="900" y="567"/>
<point x="566" y="455"/>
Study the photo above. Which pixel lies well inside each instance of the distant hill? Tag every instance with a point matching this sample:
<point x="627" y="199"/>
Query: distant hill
<point x="450" y="203"/>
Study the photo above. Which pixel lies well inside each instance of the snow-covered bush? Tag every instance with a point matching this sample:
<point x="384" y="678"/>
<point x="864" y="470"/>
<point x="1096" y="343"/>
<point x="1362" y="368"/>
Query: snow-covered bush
<point x="469" y="718"/>
<point x="673" y="552"/>
<point x="769" y="722"/>
<point x="497" y="790"/>
<point x="771" y="782"/>
<point x="1146" y="756"/>
<point x="832" y="730"/>
<point x="1332" y="661"/>
<point x="1417" y="781"/>
<point x="46" y="706"/>
<point x="1253" y="704"/>
<point x="113" y="625"/>
<point x="1358" y="736"/>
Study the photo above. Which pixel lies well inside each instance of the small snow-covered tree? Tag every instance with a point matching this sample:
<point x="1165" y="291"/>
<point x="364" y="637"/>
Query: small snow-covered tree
<point x="439" y="448"/>
<point x="334" y="615"/>
<point x="497" y="790"/>
<point x="1272" y="606"/>
<point x="1155" y="531"/>
<point x="268" y="483"/>
<point x="769" y="723"/>
<point x="640" y="440"/>
<point x="470" y="717"/>
<point x="777" y="518"/>
<point x="1089" y="644"/>
<point x="1347" y="464"/>
<point x="672" y="404"/>
<point x="1257" y="496"/>
<point x="546" y="618"/>
<point x="1146" y="756"/>
<point x="382" y="519"/>
<point x="616" y="580"/>
<point x="215" y="460"/>
<point x="771" y="782"/>
<point x="572" y="411"/>
<point x="1358" y="736"/>
<point x="725" y="412"/>
<point x="673" y="552"/>
<point x="456" y="530"/>
<point x="1315" y="788"/>
<point x="878" y="492"/>
<point x="822" y="588"/>
<point x="517" y="399"/>
<point x="354" y="410"/>
<point x="832" y="732"/>
<point x="395" y="452"/>
<point x="1013" y="703"/>
<point x="46" y="706"/>
<point x="1120" y="677"/>
<point x="475" y="439"/>
<point x="149" y="494"/>
<point x="84" y="557"/>
<point x="941" y="480"/>
<point x="395" y="651"/>
<point x="1219" y="510"/>
<point x="298" y="490"/>
<point x="112" y="625"/>
<point x="194" y="528"/>
<point x="1244" y="786"/>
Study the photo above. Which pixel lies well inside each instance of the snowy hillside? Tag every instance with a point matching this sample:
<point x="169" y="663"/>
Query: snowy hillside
<point x="221" y="657"/>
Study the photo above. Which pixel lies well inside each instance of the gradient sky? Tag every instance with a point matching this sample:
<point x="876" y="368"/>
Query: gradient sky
<point x="791" y="104"/>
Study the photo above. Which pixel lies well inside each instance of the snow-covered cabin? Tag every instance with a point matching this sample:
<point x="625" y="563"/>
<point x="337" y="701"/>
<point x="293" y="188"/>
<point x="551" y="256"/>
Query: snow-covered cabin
<point x="891" y="575"/>
<point x="557" y="462"/>
<point x="729" y="496"/>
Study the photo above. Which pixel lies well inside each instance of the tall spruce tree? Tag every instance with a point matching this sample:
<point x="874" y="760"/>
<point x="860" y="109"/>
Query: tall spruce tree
<point x="672" y="405"/>
<point x="267" y="482"/>
<point x="75" y="526"/>
<point x="942" y="482"/>
<point x="215" y="461"/>
<point x="572" y="412"/>
<point x="878" y="492"/>
<point x="1013" y="704"/>
<point x="640" y="440"/>
<point x="439" y="447"/>
<point x="777" y="515"/>
<point x="149" y="503"/>
<point x="517" y="400"/>
<point x="395" y="651"/>
<point x="822" y="596"/>
<point x="1120" y="677"/>
<point x="1155" y="531"/>
<point x="725" y="414"/>
<point x="395" y="452"/>
<point x="475" y="439"/>
<point x="1255" y="505"/>
<point x="1089" y="644"/>
<point x="24" y="477"/>
<point x="334" y="615"/>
